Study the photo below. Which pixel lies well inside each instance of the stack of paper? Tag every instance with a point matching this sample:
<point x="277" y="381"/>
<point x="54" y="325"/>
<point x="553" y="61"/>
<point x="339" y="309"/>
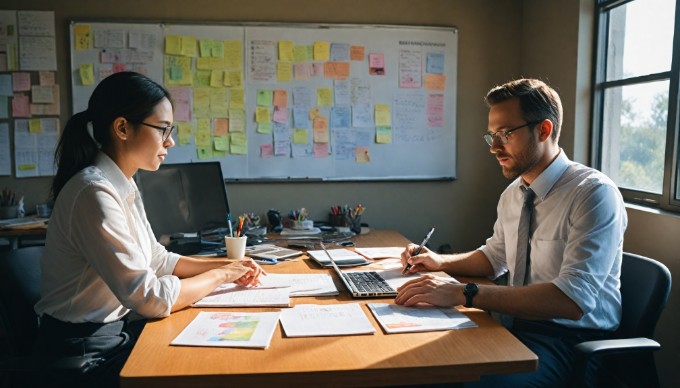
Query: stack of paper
<point x="342" y="257"/>
<point x="229" y="329"/>
<point x="231" y="295"/>
<point x="301" y="284"/>
<point x="400" y="319"/>
<point x="312" y="320"/>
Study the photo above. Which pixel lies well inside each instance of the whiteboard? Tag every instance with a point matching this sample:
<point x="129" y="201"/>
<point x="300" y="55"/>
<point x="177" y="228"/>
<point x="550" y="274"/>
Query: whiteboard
<point x="415" y="140"/>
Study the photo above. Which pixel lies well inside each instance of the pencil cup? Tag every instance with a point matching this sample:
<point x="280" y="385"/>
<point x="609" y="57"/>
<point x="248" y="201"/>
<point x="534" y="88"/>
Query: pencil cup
<point x="338" y="220"/>
<point x="236" y="247"/>
<point x="9" y="212"/>
<point x="354" y="224"/>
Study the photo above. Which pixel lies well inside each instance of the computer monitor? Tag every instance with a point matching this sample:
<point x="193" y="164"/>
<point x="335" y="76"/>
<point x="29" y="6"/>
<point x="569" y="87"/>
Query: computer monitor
<point x="184" y="198"/>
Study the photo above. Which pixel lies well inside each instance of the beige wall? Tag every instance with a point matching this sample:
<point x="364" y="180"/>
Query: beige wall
<point x="498" y="40"/>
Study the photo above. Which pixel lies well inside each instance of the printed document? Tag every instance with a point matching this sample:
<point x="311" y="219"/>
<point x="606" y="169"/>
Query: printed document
<point x="301" y="284"/>
<point x="229" y="329"/>
<point x="315" y="320"/>
<point x="232" y="295"/>
<point x="400" y="319"/>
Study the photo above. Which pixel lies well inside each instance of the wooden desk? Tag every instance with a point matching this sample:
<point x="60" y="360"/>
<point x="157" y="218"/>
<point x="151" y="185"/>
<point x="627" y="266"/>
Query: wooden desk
<point x="14" y="235"/>
<point x="363" y="360"/>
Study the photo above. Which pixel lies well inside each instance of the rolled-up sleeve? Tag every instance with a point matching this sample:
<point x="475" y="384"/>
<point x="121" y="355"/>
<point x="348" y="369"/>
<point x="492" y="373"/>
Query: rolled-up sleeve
<point x="594" y="244"/>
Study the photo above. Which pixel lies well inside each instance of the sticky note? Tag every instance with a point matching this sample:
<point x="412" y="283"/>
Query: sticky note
<point x="435" y="81"/>
<point x="300" y="136"/>
<point x="262" y="114"/>
<point x="356" y="53"/>
<point x="382" y="115"/>
<point x="82" y="37"/>
<point x="324" y="97"/>
<point x="264" y="128"/>
<point x="284" y="71"/>
<point x="202" y="138"/>
<point x="265" y="97"/>
<point x="266" y="151"/>
<point x="87" y="74"/>
<point x="383" y="135"/>
<point x="221" y="143"/>
<point x="280" y="98"/>
<point x="361" y="155"/>
<point x="286" y="51"/>
<point x="321" y="51"/>
<point x="221" y="127"/>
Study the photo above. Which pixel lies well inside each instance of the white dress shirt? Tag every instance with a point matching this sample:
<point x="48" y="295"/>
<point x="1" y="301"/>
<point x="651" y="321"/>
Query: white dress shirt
<point x="101" y="258"/>
<point x="577" y="239"/>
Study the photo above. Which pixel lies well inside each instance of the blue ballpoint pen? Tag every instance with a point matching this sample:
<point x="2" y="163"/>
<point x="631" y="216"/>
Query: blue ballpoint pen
<point x="231" y="231"/>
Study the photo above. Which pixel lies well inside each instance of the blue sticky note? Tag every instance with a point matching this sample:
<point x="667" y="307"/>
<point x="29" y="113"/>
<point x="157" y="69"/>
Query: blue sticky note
<point x="435" y="63"/>
<point x="301" y="117"/>
<point x="340" y="116"/>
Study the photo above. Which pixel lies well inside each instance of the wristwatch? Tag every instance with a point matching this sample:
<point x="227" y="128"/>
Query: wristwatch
<point x="470" y="291"/>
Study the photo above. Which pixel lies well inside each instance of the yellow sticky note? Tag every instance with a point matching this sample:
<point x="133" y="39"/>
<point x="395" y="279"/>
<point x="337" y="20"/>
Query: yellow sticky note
<point x="383" y="135"/>
<point x="173" y="45"/>
<point x="177" y="70"/>
<point x="203" y="125"/>
<point x="202" y="101"/>
<point x="216" y="78"/>
<point x="286" y="51"/>
<point x="324" y="97"/>
<point x="322" y="51"/>
<point x="284" y="71"/>
<point x="262" y="115"/>
<point x="218" y="102"/>
<point x="184" y="133"/>
<point x="233" y="54"/>
<point x="221" y="143"/>
<point x="202" y="78"/>
<point x="314" y="113"/>
<point x="237" y="120"/>
<point x="188" y="46"/>
<point x="233" y="78"/>
<point x="237" y="100"/>
<point x="25" y="167"/>
<point x="87" y="74"/>
<point x="382" y="115"/>
<point x="239" y="144"/>
<point x="202" y="138"/>
<point x="83" y="37"/>
<point x="34" y="126"/>
<point x="300" y="136"/>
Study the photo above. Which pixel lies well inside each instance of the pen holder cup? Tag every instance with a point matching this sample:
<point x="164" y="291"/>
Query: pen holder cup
<point x="338" y="220"/>
<point x="354" y="224"/>
<point x="236" y="247"/>
<point x="7" y="212"/>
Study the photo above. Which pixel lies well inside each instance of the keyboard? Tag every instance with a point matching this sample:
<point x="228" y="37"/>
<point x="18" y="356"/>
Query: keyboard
<point x="368" y="281"/>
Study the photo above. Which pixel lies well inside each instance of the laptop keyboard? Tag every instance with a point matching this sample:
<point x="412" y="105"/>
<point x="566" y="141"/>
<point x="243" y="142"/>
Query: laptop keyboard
<point x="368" y="281"/>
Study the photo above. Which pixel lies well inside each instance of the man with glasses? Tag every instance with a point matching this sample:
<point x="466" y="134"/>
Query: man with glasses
<point x="558" y="237"/>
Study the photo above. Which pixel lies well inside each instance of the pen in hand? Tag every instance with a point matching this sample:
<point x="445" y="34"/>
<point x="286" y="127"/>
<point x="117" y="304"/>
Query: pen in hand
<point x="417" y="251"/>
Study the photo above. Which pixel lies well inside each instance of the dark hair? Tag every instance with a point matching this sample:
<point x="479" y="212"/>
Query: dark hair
<point x="537" y="101"/>
<point x="125" y="94"/>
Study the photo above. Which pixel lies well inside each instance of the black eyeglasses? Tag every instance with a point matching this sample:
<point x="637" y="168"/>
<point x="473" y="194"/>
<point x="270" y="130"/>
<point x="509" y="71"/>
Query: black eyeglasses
<point x="166" y="131"/>
<point x="502" y="136"/>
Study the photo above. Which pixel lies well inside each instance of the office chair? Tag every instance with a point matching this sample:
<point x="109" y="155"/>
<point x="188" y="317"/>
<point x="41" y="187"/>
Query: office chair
<point x="627" y="358"/>
<point x="19" y="291"/>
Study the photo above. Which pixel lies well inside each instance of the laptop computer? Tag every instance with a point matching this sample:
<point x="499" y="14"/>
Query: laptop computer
<point x="186" y="205"/>
<point x="362" y="284"/>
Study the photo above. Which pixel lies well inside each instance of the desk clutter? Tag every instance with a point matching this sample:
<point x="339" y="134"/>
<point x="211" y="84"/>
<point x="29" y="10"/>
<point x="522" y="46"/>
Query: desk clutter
<point x="255" y="329"/>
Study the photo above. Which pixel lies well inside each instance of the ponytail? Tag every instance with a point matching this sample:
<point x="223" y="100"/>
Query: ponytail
<point x="76" y="150"/>
<point x="126" y="94"/>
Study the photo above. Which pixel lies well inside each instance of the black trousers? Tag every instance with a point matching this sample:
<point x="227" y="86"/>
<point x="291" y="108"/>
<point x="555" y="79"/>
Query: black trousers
<point x="112" y="342"/>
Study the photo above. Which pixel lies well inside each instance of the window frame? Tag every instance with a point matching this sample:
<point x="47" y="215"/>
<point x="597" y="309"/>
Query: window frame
<point x="669" y="199"/>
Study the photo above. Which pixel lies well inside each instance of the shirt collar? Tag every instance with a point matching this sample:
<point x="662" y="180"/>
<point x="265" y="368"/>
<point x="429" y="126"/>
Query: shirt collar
<point x="114" y="174"/>
<point x="547" y="179"/>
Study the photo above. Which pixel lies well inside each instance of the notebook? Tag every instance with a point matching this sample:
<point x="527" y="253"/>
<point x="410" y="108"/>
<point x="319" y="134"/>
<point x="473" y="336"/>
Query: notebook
<point x="362" y="284"/>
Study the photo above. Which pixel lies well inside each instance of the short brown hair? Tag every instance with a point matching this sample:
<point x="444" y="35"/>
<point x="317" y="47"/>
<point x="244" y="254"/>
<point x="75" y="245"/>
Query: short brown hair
<point x="537" y="101"/>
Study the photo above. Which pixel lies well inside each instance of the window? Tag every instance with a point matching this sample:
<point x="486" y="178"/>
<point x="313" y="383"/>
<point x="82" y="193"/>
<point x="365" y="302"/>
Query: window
<point x="635" y="101"/>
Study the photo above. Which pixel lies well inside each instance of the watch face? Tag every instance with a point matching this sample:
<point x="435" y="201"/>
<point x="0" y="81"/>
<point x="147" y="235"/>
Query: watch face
<point x="470" y="289"/>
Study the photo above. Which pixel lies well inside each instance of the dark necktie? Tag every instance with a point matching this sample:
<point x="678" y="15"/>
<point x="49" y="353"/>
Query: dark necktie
<point x="522" y="259"/>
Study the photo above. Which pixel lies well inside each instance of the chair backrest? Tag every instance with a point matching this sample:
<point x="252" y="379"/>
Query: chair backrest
<point x="19" y="292"/>
<point x="645" y="286"/>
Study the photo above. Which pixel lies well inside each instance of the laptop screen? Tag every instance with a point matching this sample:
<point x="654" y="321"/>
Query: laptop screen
<point x="184" y="197"/>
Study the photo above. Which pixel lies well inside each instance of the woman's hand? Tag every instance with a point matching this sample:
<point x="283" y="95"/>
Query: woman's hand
<point x="244" y="272"/>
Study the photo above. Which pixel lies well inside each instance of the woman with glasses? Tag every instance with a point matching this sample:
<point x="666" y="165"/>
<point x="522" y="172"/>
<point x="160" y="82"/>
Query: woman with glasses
<point x="102" y="270"/>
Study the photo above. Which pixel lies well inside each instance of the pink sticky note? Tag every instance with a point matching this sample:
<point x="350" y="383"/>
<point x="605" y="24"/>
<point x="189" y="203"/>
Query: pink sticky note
<point x="280" y="115"/>
<point x="320" y="150"/>
<point x="21" y="82"/>
<point x="266" y="151"/>
<point x="21" y="106"/>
